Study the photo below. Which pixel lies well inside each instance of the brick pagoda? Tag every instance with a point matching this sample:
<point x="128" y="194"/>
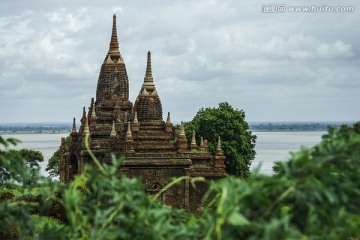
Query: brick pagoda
<point x="151" y="146"/>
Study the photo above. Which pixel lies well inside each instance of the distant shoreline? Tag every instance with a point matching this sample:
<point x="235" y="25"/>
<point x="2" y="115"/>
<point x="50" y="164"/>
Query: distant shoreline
<point x="61" y="128"/>
<point x="34" y="132"/>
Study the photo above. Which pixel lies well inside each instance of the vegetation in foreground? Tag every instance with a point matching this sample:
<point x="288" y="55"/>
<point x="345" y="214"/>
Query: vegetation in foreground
<point x="315" y="195"/>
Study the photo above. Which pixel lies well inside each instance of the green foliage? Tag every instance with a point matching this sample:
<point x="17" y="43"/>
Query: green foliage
<point x="32" y="157"/>
<point x="238" y="143"/>
<point x="13" y="172"/>
<point x="13" y="165"/>
<point x="42" y="225"/>
<point x="53" y="166"/>
<point x="106" y="204"/>
<point x="315" y="195"/>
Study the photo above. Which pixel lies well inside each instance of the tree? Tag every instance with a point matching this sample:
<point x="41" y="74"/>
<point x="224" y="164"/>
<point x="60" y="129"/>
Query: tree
<point x="53" y="166"/>
<point x="32" y="157"/>
<point x="238" y="142"/>
<point x="13" y="172"/>
<point x="24" y="156"/>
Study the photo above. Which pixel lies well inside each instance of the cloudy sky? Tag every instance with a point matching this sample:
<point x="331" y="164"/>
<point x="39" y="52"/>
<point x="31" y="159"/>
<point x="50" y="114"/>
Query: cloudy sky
<point x="275" y="66"/>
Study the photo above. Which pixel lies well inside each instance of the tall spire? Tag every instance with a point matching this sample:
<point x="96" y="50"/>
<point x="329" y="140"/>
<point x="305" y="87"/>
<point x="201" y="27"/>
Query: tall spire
<point x="148" y="79"/>
<point x="114" y="44"/>
<point x="74" y="126"/>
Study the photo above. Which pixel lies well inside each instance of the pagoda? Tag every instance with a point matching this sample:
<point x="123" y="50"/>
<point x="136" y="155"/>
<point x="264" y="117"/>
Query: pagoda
<point x="151" y="146"/>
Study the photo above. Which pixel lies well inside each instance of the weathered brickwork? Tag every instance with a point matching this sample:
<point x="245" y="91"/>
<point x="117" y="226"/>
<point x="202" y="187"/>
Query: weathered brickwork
<point x="151" y="146"/>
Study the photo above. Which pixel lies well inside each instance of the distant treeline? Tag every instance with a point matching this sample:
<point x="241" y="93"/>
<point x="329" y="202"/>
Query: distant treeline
<point x="14" y="128"/>
<point x="295" y="126"/>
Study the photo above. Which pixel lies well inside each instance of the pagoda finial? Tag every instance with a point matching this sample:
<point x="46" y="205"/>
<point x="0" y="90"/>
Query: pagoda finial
<point x="86" y="129"/>
<point x="114" y="44"/>
<point x="148" y="79"/>
<point x="193" y="141"/>
<point x="113" y="131"/>
<point x="218" y="147"/>
<point x="128" y="133"/>
<point x="168" y="119"/>
<point x="206" y="147"/>
<point x="74" y="126"/>
<point x="182" y="131"/>
<point x="84" y="112"/>
<point x="135" y="119"/>
<point x="169" y="127"/>
<point x="93" y="113"/>
<point x="148" y="66"/>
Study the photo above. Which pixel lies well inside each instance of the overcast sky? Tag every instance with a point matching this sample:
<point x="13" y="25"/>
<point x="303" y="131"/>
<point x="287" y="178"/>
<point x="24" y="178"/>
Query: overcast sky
<point x="275" y="66"/>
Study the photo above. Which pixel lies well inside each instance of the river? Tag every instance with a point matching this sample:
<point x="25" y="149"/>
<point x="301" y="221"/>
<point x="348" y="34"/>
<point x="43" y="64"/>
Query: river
<point x="270" y="146"/>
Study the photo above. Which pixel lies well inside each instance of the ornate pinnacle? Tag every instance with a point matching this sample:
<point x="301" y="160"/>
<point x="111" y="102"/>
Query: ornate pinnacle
<point x="84" y="112"/>
<point x="74" y="126"/>
<point x="128" y="133"/>
<point x="93" y="114"/>
<point x="168" y="119"/>
<point x="201" y="142"/>
<point x="135" y="119"/>
<point x="193" y="140"/>
<point x="206" y="145"/>
<point x="86" y="129"/>
<point x="148" y="79"/>
<point x="218" y="148"/>
<point x="113" y="131"/>
<point x="182" y="131"/>
<point x="148" y="66"/>
<point x="114" y="44"/>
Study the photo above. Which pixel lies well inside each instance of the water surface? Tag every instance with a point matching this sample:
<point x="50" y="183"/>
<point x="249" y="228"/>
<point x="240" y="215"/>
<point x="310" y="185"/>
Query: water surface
<point x="276" y="146"/>
<point x="270" y="146"/>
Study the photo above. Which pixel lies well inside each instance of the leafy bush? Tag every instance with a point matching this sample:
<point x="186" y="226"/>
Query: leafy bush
<point x="315" y="195"/>
<point x="13" y="172"/>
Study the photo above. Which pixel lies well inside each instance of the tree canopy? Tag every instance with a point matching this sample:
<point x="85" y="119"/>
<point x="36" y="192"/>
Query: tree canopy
<point x="15" y="170"/>
<point x="238" y="142"/>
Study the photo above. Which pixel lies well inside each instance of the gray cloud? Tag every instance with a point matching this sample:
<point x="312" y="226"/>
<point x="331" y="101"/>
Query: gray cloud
<point x="285" y="66"/>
